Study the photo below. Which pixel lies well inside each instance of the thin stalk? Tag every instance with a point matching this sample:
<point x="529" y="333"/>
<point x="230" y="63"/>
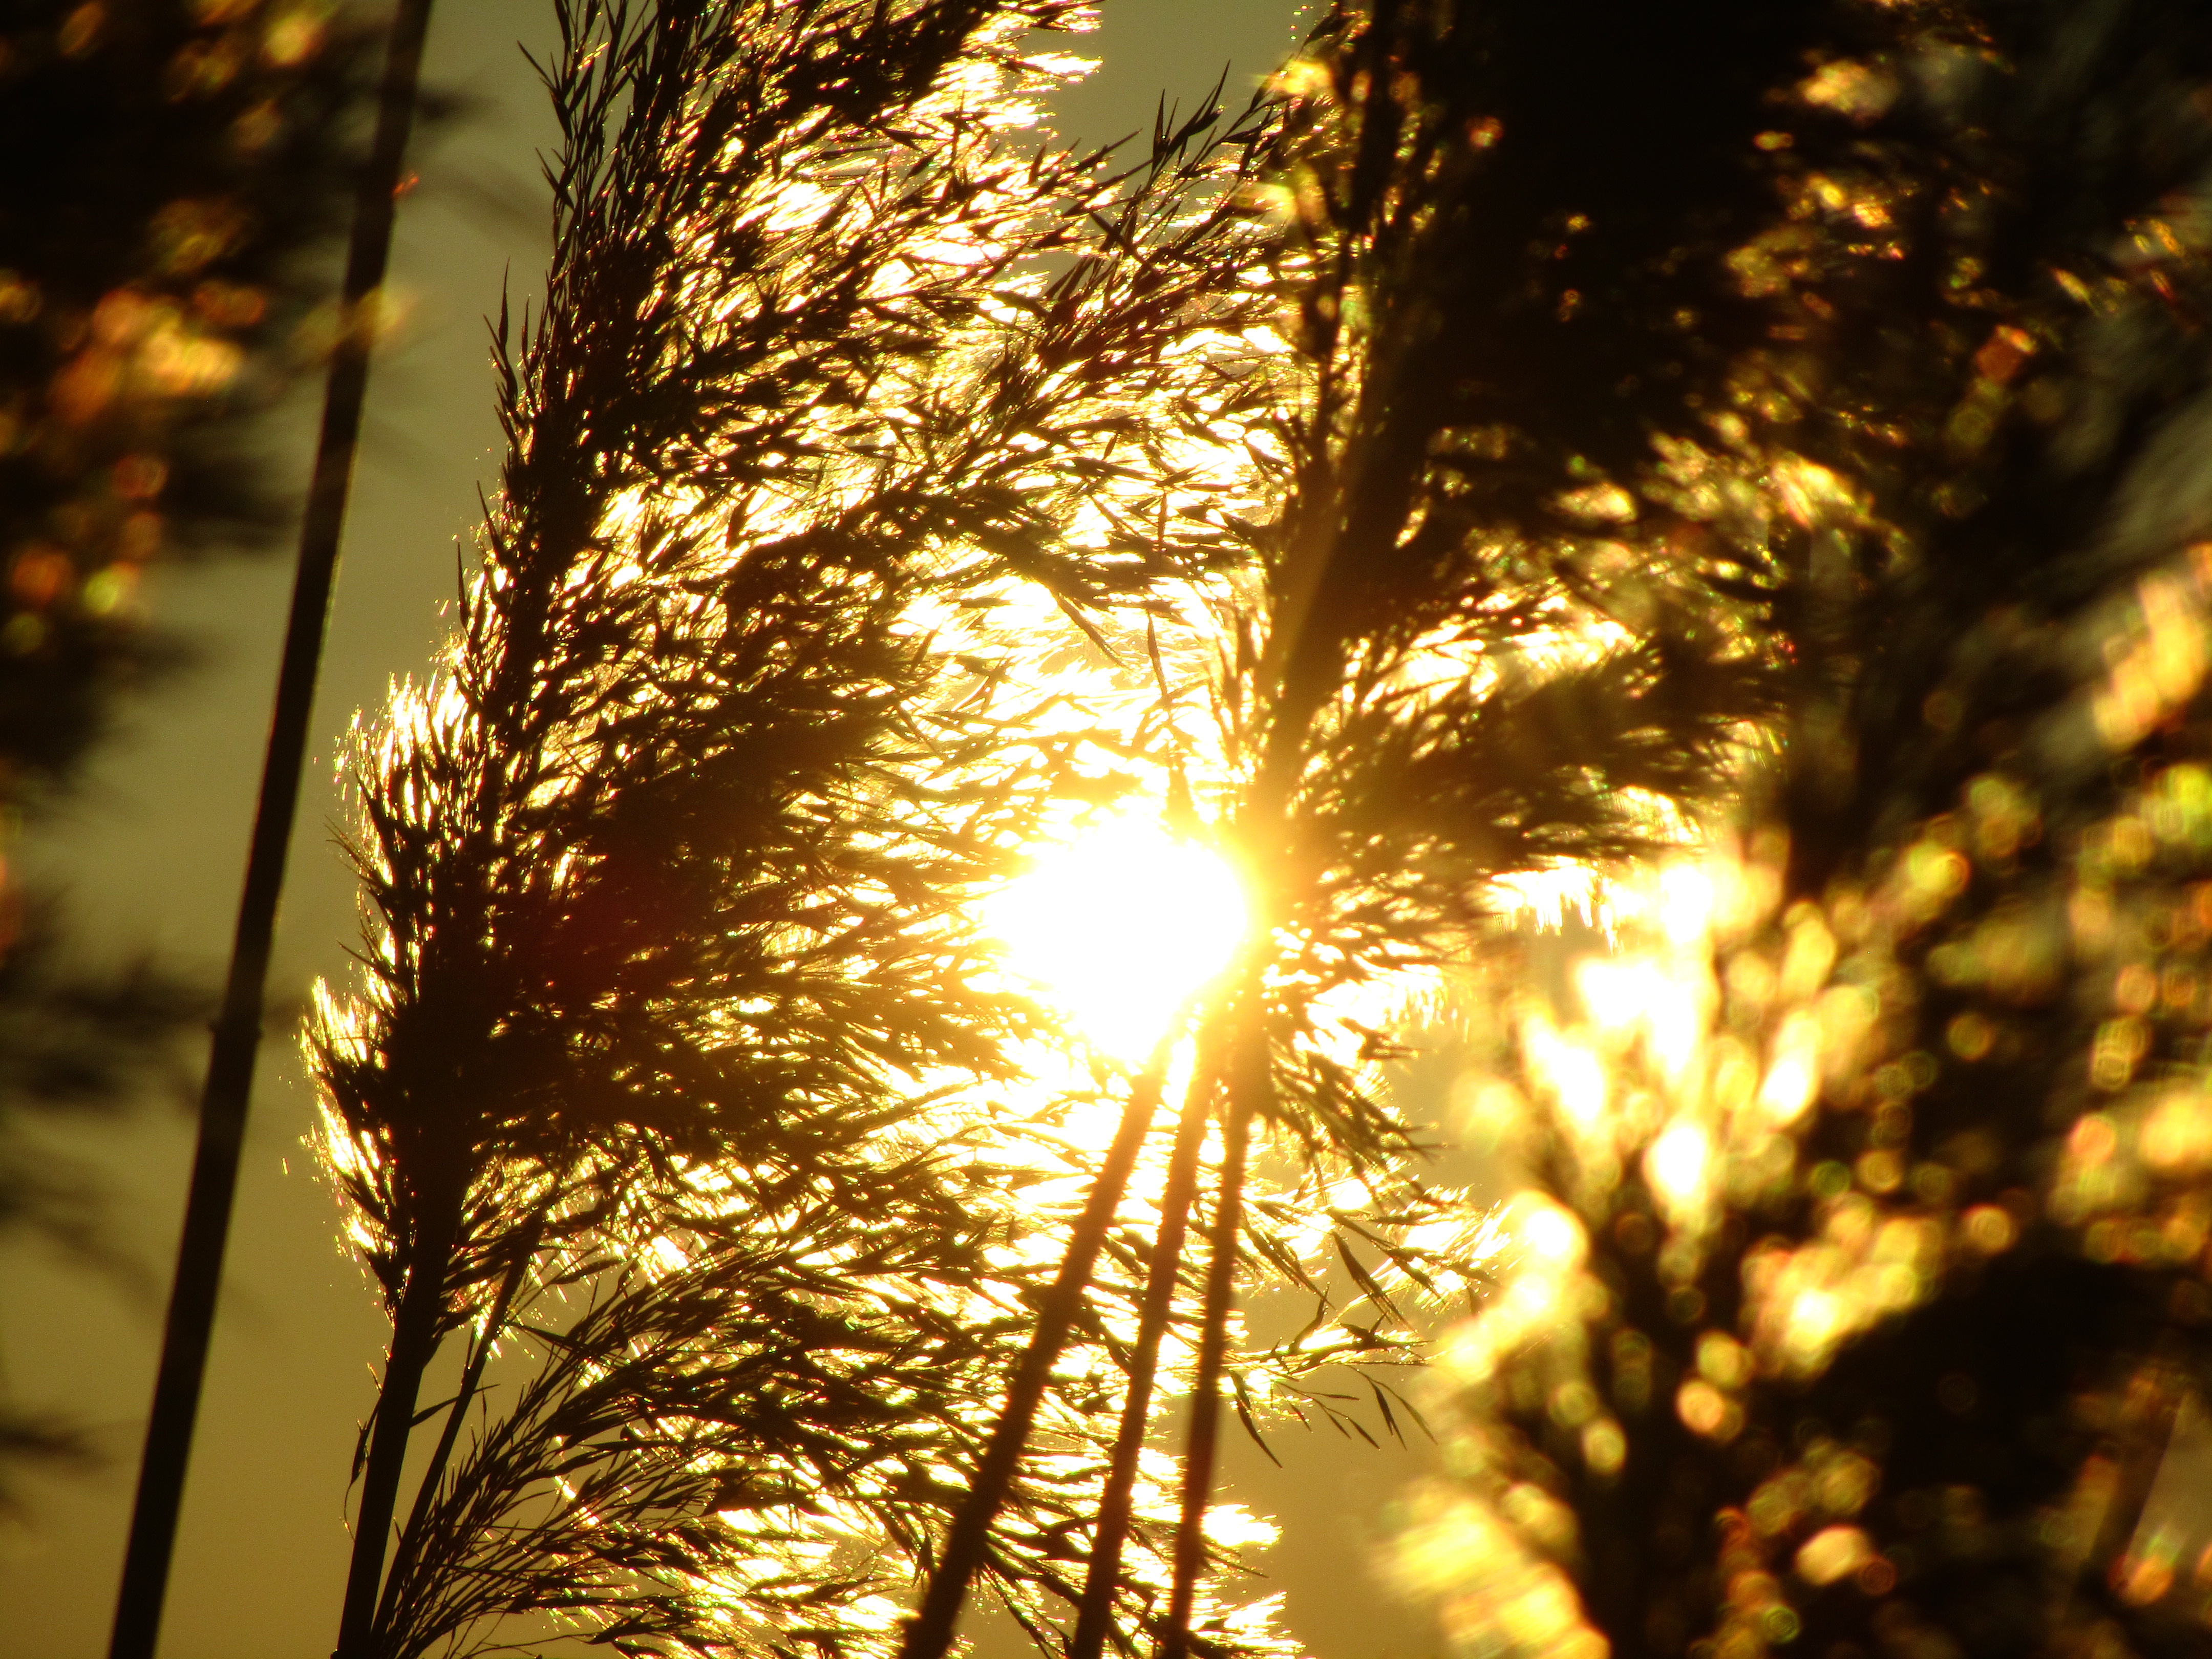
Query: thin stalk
<point x="471" y="1378"/>
<point x="1249" y="1080"/>
<point x="1094" y="1613"/>
<point x="414" y="1344"/>
<point x="223" y="1097"/>
<point x="930" y="1634"/>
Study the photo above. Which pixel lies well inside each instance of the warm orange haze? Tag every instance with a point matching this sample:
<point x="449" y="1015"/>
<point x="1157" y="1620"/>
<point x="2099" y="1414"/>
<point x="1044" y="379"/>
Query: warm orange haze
<point x="1421" y="869"/>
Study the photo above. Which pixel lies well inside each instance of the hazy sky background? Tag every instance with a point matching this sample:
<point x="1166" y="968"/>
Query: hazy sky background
<point x="153" y="850"/>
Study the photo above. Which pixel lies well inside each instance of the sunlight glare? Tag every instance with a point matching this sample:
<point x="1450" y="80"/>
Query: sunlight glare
<point x="1118" y="926"/>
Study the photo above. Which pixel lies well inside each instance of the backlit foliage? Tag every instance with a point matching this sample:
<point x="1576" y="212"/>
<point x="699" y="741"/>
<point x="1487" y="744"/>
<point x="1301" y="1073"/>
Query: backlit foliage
<point x="1430" y="679"/>
<point x="1749" y="453"/>
<point x="679" y="1071"/>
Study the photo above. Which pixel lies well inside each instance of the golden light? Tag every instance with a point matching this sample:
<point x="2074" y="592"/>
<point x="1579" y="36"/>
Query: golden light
<point x="1575" y="1075"/>
<point x="1832" y="1553"/>
<point x="1118" y="926"/>
<point x="1795" y="1077"/>
<point x="1678" y="1165"/>
<point x="1550" y="1237"/>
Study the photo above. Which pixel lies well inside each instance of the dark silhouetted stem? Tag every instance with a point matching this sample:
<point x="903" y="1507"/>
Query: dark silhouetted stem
<point x="1094" y="1615"/>
<point x="930" y="1636"/>
<point x="229" y="1082"/>
<point x="471" y="1379"/>
<point x="414" y="1342"/>
<point x="1247" y="1081"/>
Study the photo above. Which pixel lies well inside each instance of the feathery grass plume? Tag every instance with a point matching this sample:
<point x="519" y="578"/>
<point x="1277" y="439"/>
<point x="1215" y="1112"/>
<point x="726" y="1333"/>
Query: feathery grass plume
<point x="1862" y="1277"/>
<point x="171" y="170"/>
<point x="666" y="1059"/>
<point x="1436" y="687"/>
<point x="1435" y="673"/>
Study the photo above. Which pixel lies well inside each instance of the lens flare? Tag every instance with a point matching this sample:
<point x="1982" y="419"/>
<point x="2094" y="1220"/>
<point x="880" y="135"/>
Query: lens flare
<point x="1117" y="926"/>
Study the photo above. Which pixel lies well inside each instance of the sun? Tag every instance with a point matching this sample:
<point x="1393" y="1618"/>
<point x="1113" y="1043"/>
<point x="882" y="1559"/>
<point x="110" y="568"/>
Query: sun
<point x="1117" y="926"/>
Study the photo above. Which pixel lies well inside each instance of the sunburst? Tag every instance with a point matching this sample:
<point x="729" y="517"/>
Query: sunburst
<point x="1117" y="926"/>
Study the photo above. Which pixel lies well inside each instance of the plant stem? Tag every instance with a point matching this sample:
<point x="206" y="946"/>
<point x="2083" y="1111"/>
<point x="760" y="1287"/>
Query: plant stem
<point x="190" y="1318"/>
<point x="1248" y="1082"/>
<point x="930" y="1635"/>
<point x="495" y="1322"/>
<point x="1103" y="1574"/>
<point x="415" y="1337"/>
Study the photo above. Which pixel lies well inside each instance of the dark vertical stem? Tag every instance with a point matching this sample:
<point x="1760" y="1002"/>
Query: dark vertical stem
<point x="930" y="1635"/>
<point x="1094" y="1613"/>
<point x="1248" y="1080"/>
<point x="414" y="1342"/>
<point x="229" y="1081"/>
<point x="471" y="1379"/>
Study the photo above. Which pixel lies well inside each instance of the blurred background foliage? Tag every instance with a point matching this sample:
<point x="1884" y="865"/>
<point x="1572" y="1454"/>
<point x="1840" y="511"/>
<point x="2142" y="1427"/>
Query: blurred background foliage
<point x="1857" y="1282"/>
<point x="175" y="172"/>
